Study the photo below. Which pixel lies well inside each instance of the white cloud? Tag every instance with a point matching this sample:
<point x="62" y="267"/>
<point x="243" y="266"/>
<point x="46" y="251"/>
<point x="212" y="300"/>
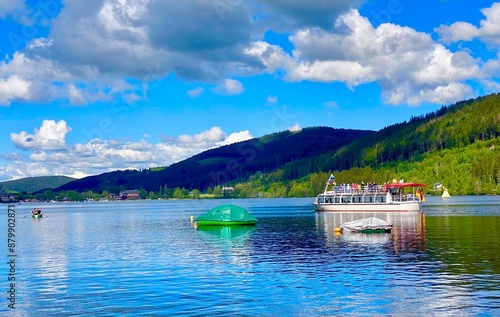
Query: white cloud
<point x="145" y="41"/>
<point x="229" y="87"/>
<point x="75" y="95"/>
<point x="236" y="137"/>
<point x="213" y="135"/>
<point x="272" y="56"/>
<point x="95" y="45"/>
<point x="12" y="88"/>
<point x="408" y="65"/>
<point x="51" y="156"/>
<point x="458" y="31"/>
<point x="195" y="92"/>
<point x="488" y="31"/>
<point x="50" y="136"/>
<point x="272" y="100"/>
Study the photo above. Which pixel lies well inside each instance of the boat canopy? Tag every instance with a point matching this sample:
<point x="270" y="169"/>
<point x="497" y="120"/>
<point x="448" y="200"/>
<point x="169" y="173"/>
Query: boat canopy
<point x="227" y="213"/>
<point x="371" y="223"/>
<point x="401" y="185"/>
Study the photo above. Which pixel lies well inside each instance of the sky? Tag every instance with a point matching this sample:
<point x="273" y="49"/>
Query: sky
<point x="88" y="87"/>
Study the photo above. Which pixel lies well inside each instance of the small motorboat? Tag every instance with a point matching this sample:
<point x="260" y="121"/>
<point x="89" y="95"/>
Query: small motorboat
<point x="367" y="225"/>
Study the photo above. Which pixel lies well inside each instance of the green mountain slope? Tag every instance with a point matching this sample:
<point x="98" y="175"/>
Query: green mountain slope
<point x="458" y="146"/>
<point x="230" y="163"/>
<point x="34" y="184"/>
<point x="450" y="127"/>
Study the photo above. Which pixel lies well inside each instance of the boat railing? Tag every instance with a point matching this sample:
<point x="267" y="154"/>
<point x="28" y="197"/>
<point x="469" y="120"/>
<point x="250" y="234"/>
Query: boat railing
<point x="378" y="189"/>
<point x="374" y="191"/>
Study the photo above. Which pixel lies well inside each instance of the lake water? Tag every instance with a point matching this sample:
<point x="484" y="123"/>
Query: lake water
<point x="144" y="258"/>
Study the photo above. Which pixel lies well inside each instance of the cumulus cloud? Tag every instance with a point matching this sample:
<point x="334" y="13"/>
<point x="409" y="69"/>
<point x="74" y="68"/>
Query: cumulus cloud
<point x="213" y="135"/>
<point x="51" y="156"/>
<point x="229" y="87"/>
<point x="408" y="65"/>
<point x="488" y="31"/>
<point x="147" y="40"/>
<point x="50" y="136"/>
<point x="93" y="45"/>
<point x="12" y="88"/>
<point x="143" y="41"/>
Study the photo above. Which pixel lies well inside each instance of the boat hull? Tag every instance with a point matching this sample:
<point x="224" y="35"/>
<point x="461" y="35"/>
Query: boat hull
<point x="36" y="216"/>
<point x="374" y="230"/>
<point x="366" y="207"/>
<point x="386" y="198"/>
<point x="223" y="223"/>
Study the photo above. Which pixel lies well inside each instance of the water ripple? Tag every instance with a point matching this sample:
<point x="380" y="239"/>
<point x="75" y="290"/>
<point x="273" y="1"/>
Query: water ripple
<point x="151" y="262"/>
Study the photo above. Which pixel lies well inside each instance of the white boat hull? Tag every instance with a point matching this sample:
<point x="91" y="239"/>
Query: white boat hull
<point x="387" y="198"/>
<point x="367" y="207"/>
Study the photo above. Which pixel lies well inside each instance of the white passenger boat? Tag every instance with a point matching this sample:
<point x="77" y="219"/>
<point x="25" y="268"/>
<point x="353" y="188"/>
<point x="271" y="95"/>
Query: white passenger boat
<point x="397" y="197"/>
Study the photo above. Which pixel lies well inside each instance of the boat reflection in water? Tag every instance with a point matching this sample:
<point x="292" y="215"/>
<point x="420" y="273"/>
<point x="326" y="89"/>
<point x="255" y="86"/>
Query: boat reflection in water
<point x="408" y="231"/>
<point x="226" y="232"/>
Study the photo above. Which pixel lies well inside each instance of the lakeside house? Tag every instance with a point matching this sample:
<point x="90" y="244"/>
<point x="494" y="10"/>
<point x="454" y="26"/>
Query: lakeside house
<point x="227" y="191"/>
<point x="129" y="194"/>
<point x="8" y="198"/>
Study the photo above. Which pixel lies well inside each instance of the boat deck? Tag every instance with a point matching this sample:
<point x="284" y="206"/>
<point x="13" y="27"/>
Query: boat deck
<point x="379" y="198"/>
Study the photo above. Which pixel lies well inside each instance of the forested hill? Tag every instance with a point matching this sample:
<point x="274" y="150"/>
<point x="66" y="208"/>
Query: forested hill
<point x="34" y="184"/>
<point x="457" y="144"/>
<point x="450" y="127"/>
<point x="230" y="163"/>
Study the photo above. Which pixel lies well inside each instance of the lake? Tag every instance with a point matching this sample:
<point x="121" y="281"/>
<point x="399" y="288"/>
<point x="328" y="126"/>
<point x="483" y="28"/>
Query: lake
<point x="144" y="258"/>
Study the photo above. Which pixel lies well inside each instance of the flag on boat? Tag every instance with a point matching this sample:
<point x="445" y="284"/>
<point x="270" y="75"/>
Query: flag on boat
<point x="331" y="180"/>
<point x="420" y="195"/>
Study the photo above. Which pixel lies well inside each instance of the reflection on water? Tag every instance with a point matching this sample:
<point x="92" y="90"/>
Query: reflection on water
<point x="226" y="232"/>
<point x="147" y="259"/>
<point x="408" y="232"/>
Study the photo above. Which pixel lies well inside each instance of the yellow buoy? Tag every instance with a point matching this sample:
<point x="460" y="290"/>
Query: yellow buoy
<point x="195" y="225"/>
<point x="191" y="218"/>
<point x="337" y="229"/>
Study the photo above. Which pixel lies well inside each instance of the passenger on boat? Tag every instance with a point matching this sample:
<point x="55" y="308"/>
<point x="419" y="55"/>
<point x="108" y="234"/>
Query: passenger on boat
<point x="36" y="211"/>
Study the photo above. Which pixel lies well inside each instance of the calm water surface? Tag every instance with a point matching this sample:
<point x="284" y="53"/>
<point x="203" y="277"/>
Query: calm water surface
<point x="145" y="259"/>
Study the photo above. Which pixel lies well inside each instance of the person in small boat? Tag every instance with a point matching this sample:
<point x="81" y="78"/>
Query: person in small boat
<point x="36" y="211"/>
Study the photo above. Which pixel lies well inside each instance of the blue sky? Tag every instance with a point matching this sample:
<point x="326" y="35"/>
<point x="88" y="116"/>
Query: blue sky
<point x="88" y="87"/>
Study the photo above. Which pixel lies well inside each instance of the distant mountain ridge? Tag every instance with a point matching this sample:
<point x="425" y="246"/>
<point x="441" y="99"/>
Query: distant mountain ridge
<point x="471" y="125"/>
<point x="229" y="163"/>
<point x="34" y="184"/>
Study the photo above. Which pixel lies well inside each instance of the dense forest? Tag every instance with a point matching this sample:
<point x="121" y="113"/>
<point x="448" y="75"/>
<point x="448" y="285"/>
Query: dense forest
<point x="34" y="184"/>
<point x="457" y="146"/>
